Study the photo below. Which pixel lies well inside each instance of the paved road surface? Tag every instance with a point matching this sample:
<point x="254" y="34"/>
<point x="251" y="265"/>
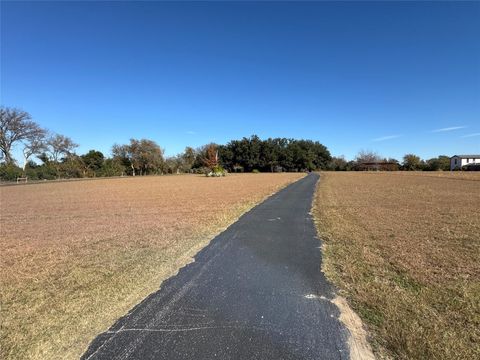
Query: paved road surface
<point x="256" y="292"/>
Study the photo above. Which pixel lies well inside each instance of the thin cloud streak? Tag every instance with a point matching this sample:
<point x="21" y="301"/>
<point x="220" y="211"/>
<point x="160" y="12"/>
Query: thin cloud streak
<point x="191" y="132"/>
<point x="470" y="135"/>
<point x="388" y="137"/>
<point x="451" y="128"/>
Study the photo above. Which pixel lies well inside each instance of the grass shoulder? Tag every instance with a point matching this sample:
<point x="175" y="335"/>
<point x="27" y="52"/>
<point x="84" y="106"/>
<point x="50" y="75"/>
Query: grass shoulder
<point x="404" y="251"/>
<point x="78" y="255"/>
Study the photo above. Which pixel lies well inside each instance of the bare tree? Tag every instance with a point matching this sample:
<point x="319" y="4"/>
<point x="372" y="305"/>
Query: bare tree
<point x="59" y="146"/>
<point x="34" y="145"/>
<point x="366" y="156"/>
<point x="15" y="126"/>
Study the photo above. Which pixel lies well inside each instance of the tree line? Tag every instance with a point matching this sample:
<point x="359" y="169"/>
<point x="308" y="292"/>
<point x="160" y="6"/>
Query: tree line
<point x="367" y="160"/>
<point x="58" y="158"/>
<point x="278" y="154"/>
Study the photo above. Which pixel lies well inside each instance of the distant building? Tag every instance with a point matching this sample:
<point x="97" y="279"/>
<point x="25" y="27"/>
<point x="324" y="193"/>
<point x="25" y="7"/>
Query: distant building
<point x="457" y="162"/>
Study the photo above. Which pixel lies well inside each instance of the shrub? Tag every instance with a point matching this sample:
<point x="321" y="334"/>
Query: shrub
<point x="255" y="171"/>
<point x="111" y="167"/>
<point x="9" y="172"/>
<point x="45" y="172"/>
<point x="217" y="171"/>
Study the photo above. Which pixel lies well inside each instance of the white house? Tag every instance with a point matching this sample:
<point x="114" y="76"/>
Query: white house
<point x="458" y="161"/>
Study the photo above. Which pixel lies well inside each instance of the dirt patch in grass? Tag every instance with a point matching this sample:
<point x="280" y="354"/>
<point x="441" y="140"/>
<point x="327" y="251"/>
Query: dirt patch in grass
<point x="404" y="249"/>
<point x="76" y="256"/>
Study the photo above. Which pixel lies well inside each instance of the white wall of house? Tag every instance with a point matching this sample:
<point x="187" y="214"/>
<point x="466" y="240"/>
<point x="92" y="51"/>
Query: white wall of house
<point x="457" y="162"/>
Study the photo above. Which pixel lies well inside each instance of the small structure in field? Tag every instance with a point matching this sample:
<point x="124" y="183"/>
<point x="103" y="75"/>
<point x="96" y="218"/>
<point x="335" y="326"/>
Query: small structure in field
<point x="22" y="180"/>
<point x="459" y="162"/>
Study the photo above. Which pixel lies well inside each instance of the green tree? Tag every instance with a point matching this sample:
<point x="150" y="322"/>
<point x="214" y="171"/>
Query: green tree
<point x="92" y="162"/>
<point x="71" y="166"/>
<point x="226" y="154"/>
<point x="338" y="164"/>
<point x="112" y="167"/>
<point x="142" y="156"/>
<point x="9" y="172"/>
<point x="269" y="155"/>
<point x="272" y="154"/>
<point x="412" y="162"/>
<point x="439" y="163"/>
<point x="254" y="147"/>
<point x="188" y="159"/>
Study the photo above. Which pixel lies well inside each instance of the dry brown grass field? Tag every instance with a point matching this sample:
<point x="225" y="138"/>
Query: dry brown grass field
<point x="404" y="248"/>
<point x="78" y="255"/>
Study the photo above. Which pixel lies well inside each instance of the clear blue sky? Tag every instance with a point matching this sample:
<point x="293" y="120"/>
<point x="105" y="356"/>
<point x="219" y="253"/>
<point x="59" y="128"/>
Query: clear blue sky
<point x="377" y="76"/>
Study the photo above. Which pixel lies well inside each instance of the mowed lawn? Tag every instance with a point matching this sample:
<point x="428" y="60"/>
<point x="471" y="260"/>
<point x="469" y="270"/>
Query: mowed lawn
<point x="78" y="255"/>
<point x="404" y="248"/>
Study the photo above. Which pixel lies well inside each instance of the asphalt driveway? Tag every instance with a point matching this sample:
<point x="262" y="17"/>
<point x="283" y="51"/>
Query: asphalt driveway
<point x="255" y="292"/>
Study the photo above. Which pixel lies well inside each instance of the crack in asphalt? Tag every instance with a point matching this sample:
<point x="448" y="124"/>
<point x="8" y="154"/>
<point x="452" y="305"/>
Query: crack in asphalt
<point x="258" y="288"/>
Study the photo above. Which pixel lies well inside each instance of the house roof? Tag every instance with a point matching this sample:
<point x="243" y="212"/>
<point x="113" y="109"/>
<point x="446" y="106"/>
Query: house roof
<point x="466" y="156"/>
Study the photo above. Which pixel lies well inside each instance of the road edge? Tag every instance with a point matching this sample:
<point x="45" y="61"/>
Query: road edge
<point x="181" y="262"/>
<point x="358" y="344"/>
